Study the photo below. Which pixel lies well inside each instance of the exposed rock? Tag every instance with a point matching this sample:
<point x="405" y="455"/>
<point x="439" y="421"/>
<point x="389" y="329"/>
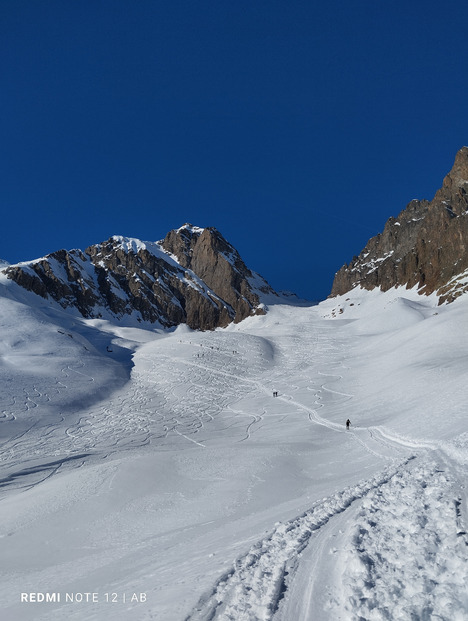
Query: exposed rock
<point x="194" y="276"/>
<point x="218" y="264"/>
<point x="425" y="246"/>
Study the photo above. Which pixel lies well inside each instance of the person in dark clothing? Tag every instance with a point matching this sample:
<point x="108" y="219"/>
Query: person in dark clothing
<point x="348" y="423"/>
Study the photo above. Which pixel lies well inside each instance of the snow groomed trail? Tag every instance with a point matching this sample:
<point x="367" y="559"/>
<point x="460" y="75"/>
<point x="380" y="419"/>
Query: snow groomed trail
<point x="192" y="484"/>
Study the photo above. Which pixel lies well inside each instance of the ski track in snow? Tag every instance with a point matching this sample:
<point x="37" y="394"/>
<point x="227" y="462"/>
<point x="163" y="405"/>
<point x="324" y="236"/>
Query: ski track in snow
<point x="408" y="517"/>
<point x="409" y="511"/>
<point x="401" y="509"/>
<point x="256" y="584"/>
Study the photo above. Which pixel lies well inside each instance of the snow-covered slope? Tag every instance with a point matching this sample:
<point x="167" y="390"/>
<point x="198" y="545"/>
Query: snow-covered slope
<point x="153" y="475"/>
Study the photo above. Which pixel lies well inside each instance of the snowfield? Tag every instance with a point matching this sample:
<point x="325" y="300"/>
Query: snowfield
<point x="151" y="475"/>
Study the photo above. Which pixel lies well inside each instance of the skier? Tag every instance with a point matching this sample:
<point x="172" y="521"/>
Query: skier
<point x="348" y="423"/>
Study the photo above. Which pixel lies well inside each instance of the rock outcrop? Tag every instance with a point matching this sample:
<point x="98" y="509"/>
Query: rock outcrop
<point x="193" y="276"/>
<point x="425" y="246"/>
<point x="218" y="264"/>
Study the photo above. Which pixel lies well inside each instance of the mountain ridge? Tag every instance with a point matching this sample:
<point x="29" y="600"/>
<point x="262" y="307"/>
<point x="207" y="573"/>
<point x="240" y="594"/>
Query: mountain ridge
<point x="192" y="276"/>
<point x="424" y="246"/>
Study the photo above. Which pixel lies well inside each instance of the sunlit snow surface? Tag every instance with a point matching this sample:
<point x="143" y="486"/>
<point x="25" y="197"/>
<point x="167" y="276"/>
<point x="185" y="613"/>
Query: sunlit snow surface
<point x="159" y="467"/>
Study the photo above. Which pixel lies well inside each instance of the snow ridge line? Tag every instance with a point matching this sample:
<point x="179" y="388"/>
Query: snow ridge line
<point x="253" y="588"/>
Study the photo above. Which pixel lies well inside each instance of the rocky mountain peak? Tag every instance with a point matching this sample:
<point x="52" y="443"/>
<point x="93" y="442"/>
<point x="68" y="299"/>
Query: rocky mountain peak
<point x="213" y="259"/>
<point x="425" y="245"/>
<point x="186" y="245"/>
<point x="193" y="276"/>
<point x="181" y="242"/>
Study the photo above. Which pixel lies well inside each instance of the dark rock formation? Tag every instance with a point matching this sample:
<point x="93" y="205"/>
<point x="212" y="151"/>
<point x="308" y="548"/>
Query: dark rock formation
<point x="194" y="276"/>
<point x="425" y="246"/>
<point x="218" y="264"/>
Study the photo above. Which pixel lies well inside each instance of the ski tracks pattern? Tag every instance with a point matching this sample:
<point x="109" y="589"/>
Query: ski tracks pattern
<point x="254" y="587"/>
<point x="406" y="556"/>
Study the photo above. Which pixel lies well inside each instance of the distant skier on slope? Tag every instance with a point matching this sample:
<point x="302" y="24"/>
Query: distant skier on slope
<point x="348" y="423"/>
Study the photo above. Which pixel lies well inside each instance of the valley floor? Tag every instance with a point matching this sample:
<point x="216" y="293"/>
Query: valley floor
<point x="190" y="492"/>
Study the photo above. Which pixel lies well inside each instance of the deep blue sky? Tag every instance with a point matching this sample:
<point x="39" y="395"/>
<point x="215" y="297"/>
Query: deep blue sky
<point x="294" y="127"/>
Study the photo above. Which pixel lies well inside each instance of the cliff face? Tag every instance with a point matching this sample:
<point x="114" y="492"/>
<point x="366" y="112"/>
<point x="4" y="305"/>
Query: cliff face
<point x="219" y="265"/>
<point x="426" y="245"/>
<point x="193" y="276"/>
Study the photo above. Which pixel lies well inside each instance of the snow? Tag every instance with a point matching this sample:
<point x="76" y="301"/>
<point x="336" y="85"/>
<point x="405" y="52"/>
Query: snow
<point x="155" y="471"/>
<point x="131" y="244"/>
<point x="194" y="230"/>
<point x="392" y="545"/>
<point x="373" y="264"/>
